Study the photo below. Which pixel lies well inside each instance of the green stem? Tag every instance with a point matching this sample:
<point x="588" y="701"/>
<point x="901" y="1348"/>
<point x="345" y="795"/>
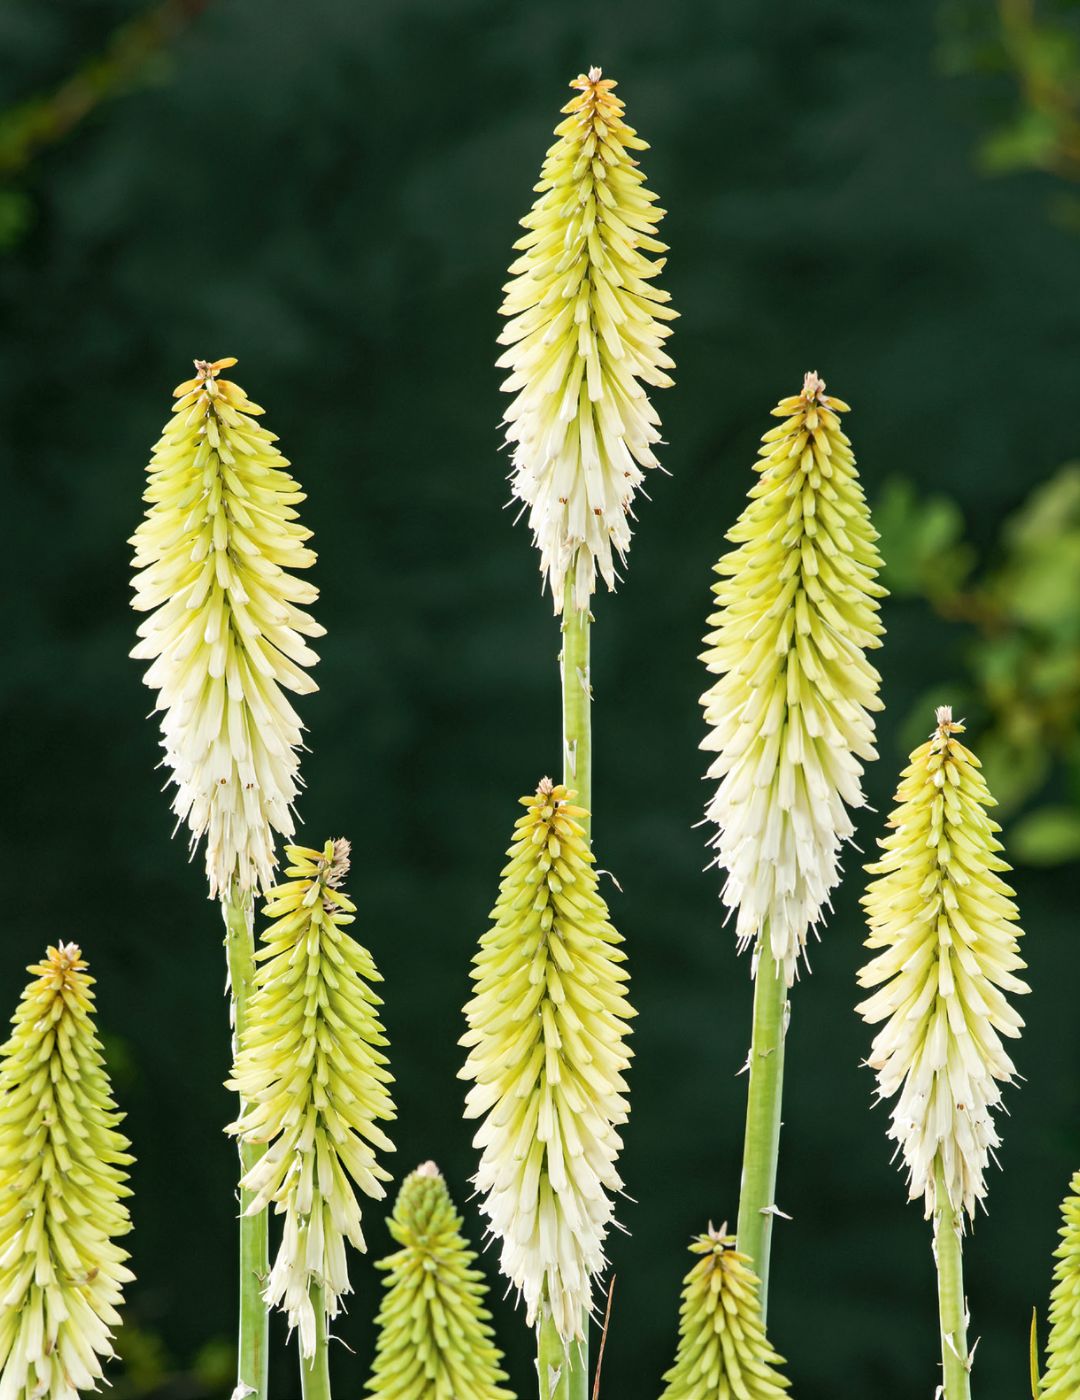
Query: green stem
<point x="577" y="774"/>
<point x="761" y="1145"/>
<point x="952" y="1308"/>
<point x="315" y="1374"/>
<point x="552" y="1362"/>
<point x="251" y="1374"/>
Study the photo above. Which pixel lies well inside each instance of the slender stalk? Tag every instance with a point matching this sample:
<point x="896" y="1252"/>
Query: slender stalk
<point x="761" y="1145"/>
<point x="552" y="1362"/>
<point x="952" y="1306"/>
<point x="315" y="1374"/>
<point x="577" y="774"/>
<point x="252" y="1350"/>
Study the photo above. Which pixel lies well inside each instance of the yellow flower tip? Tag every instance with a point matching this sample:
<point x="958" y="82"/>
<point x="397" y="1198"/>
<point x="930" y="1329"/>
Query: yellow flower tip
<point x="226" y="633"/>
<point x="584" y="342"/>
<point x="942" y="924"/>
<point x="63" y="1185"/>
<point x="790" y="717"/>
<point x="314" y="1084"/>
<point x="547" y="1055"/>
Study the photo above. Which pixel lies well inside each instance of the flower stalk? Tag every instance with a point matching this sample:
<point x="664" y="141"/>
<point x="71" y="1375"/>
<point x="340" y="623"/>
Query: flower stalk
<point x="952" y="1302"/>
<point x="63" y="1189"/>
<point x="790" y="722"/>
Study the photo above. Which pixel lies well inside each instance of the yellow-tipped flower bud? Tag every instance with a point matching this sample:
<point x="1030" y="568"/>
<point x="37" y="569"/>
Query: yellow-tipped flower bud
<point x="586" y="334"/>
<point x="435" y="1336"/>
<point x="723" y="1351"/>
<point x="791" y="715"/>
<point x="1062" y="1378"/>
<point x="224" y="634"/>
<point x="944" y="921"/>
<point x="62" y="1190"/>
<point x="547" y="1052"/>
<point x="310" y="1072"/>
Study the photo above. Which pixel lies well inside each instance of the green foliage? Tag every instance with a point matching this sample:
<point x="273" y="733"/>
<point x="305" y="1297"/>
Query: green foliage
<point x="1022" y="653"/>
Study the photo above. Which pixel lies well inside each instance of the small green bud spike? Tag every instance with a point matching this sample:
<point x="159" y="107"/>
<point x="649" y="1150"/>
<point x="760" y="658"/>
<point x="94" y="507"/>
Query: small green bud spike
<point x="214" y="557"/>
<point x="586" y="335"/>
<point x="435" y="1337"/>
<point x="945" y="924"/>
<point x="310" y="1071"/>
<point x="791" y="716"/>
<point x="62" y="1190"/>
<point x="547" y="1054"/>
<point x="723" y="1351"/>
<point x="1062" y="1378"/>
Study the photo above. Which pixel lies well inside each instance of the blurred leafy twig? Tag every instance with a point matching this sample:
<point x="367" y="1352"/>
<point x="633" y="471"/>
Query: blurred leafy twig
<point x="1023" y="655"/>
<point x="46" y="119"/>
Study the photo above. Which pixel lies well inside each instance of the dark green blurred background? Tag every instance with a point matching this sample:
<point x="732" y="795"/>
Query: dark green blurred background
<point x="329" y="191"/>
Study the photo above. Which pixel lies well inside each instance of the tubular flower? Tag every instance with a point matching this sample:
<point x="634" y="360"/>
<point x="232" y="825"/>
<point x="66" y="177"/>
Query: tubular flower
<point x="62" y="1190"/>
<point x="546" y="1033"/>
<point x="586" y="333"/>
<point x="791" y="716"/>
<point x="723" y="1351"/>
<point x="435" y="1337"/>
<point x="945" y="923"/>
<point x="1062" y="1378"/>
<point x="313" y="1082"/>
<point x="224" y="635"/>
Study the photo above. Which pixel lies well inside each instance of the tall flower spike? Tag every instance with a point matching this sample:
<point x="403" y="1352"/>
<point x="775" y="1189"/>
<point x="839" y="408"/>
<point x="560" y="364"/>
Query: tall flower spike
<point x="224" y="634"/>
<point x="310" y="1069"/>
<point x="1062" y="1378"/>
<point x="723" y="1351"/>
<point x="791" y="716"/>
<point x="944" y="921"/>
<point x="547" y="1024"/>
<point x="586" y="333"/>
<point x="62" y="1190"/>
<point x="435" y="1336"/>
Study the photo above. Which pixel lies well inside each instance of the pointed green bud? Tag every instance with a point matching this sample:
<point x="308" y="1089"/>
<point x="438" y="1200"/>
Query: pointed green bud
<point x="224" y="634"/>
<point x="586" y="335"/>
<point x="723" y="1351"/>
<point x="790" y="719"/>
<point x="945" y="923"/>
<point x="313" y="1080"/>
<point x="547" y="1052"/>
<point x="435" y="1336"/>
<point x="62" y="1190"/>
<point x="1062" y="1378"/>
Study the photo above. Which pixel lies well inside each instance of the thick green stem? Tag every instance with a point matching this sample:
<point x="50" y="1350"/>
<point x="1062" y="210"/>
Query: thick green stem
<point x="552" y="1362"/>
<point x="952" y="1306"/>
<point x="761" y="1145"/>
<point x="577" y="774"/>
<point x="315" y="1374"/>
<point x="251" y="1374"/>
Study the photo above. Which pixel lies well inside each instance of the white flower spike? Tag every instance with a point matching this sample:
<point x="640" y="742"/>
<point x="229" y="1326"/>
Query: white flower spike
<point x="945" y="923"/>
<point x="225" y="630"/>
<point x="586" y="333"/>
<point x="790" y="718"/>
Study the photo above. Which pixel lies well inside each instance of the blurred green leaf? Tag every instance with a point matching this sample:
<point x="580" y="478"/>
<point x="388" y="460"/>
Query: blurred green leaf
<point x="921" y="541"/>
<point x="1047" y="836"/>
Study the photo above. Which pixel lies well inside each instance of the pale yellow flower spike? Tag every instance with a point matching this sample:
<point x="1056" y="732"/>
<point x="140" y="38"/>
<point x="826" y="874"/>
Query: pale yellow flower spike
<point x="586" y="333"/>
<point x="791" y="716"/>
<point x="63" y="1184"/>
<point x="945" y="923"/>
<point x="224" y="634"/>
<point x="311" y="1071"/>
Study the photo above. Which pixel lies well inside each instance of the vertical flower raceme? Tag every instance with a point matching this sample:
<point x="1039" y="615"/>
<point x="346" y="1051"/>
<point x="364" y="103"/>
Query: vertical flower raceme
<point x="546" y="1040"/>
<point x="435" y="1338"/>
<point x="586" y="333"/>
<point x="790" y="716"/>
<point x="723" y="1351"/>
<point x="62" y="1190"/>
<point x="225" y="630"/>
<point x="311" y="1074"/>
<point x="1062" y="1378"/>
<point x="943" y="923"/>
